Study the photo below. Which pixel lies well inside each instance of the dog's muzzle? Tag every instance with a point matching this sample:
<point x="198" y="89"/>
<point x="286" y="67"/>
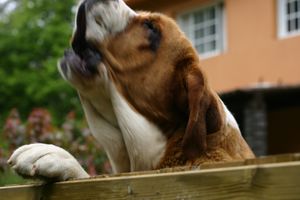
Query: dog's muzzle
<point x="82" y="58"/>
<point x="96" y="19"/>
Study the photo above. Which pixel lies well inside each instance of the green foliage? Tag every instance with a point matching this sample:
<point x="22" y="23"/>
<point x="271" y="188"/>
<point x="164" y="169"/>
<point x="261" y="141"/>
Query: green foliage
<point x="10" y="178"/>
<point x="73" y="135"/>
<point x="32" y="39"/>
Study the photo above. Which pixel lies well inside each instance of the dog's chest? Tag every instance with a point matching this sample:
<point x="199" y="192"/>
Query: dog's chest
<point x="102" y="103"/>
<point x="145" y="142"/>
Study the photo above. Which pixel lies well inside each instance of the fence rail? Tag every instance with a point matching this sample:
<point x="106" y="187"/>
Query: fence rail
<point x="275" y="177"/>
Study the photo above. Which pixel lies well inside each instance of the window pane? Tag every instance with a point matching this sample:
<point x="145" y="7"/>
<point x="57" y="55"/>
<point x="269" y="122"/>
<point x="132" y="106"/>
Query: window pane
<point x="185" y="24"/>
<point x="288" y="8"/>
<point x="199" y="33"/>
<point x="211" y="13"/>
<point x="200" y="48"/>
<point x="199" y="18"/>
<point x="294" y="24"/>
<point x="292" y="6"/>
<point x="290" y="25"/>
<point x="211" y="46"/>
<point x="212" y="30"/>
<point x="185" y="18"/>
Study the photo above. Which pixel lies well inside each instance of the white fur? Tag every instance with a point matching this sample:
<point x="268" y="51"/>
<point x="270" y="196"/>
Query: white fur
<point x="229" y="118"/>
<point x="114" y="16"/>
<point x="108" y="135"/>
<point x="47" y="161"/>
<point x="64" y="76"/>
<point x="145" y="142"/>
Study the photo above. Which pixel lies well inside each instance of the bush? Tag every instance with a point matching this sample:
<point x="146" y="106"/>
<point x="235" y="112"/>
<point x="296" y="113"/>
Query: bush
<point x="73" y="135"/>
<point x="33" y="37"/>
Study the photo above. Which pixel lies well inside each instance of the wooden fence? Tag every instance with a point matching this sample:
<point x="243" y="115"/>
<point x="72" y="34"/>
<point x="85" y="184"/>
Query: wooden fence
<point x="275" y="177"/>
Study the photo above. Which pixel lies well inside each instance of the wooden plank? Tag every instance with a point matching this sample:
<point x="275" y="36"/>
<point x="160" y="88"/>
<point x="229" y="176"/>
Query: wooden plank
<point x="263" y="181"/>
<point x="255" y="161"/>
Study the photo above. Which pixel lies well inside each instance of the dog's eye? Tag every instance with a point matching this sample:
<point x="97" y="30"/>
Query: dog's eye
<point x="149" y="25"/>
<point x="154" y="34"/>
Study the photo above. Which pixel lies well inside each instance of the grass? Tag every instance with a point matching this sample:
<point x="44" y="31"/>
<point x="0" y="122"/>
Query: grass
<point x="10" y="178"/>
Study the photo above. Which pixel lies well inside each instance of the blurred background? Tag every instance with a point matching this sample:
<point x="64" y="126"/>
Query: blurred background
<point x="36" y="104"/>
<point x="250" y="51"/>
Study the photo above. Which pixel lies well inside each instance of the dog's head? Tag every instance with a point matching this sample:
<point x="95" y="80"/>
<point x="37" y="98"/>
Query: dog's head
<point x="150" y="62"/>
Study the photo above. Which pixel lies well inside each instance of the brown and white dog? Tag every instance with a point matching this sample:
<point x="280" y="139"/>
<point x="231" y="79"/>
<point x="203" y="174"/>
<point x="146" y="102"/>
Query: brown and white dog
<point x="144" y="94"/>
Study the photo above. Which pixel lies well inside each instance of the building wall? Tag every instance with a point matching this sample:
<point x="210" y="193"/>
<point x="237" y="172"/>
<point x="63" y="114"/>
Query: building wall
<point x="254" y="52"/>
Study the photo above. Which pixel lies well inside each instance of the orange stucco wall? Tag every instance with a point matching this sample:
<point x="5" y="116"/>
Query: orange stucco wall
<point x="254" y="52"/>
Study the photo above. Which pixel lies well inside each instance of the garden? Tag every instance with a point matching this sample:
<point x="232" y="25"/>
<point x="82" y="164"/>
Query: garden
<point x="36" y="104"/>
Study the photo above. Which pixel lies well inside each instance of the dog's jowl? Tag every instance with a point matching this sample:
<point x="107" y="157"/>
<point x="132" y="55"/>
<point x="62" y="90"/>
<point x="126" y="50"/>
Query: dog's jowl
<point x="144" y="94"/>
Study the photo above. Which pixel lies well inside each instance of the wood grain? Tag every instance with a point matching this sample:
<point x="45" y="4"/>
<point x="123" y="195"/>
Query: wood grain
<point x="276" y="177"/>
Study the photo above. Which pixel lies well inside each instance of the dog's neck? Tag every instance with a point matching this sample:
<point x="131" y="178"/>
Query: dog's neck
<point x="109" y="105"/>
<point x="143" y="154"/>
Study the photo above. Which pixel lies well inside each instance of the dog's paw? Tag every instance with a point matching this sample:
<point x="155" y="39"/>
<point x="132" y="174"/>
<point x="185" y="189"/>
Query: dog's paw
<point x="46" y="161"/>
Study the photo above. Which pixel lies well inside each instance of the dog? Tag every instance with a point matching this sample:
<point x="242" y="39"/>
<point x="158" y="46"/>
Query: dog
<point x="146" y="99"/>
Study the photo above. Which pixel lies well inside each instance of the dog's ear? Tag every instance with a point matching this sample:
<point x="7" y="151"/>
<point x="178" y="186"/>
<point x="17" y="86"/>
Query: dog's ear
<point x="204" y="116"/>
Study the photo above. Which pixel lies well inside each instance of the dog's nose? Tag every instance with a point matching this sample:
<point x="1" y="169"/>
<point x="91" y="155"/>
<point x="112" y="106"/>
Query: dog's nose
<point x="79" y="41"/>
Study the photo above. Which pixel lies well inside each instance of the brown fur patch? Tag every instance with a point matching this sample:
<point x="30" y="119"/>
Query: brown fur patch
<point x="225" y="145"/>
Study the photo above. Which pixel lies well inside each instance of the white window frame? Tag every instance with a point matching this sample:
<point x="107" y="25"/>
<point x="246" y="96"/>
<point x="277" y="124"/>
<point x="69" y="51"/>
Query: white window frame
<point x="282" y="21"/>
<point x="220" y="29"/>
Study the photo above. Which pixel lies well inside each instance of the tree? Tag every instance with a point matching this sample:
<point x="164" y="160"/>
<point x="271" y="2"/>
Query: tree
<point x="33" y="37"/>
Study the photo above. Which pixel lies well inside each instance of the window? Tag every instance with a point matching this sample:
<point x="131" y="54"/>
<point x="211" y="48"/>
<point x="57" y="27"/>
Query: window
<point x="205" y="28"/>
<point x="288" y="17"/>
